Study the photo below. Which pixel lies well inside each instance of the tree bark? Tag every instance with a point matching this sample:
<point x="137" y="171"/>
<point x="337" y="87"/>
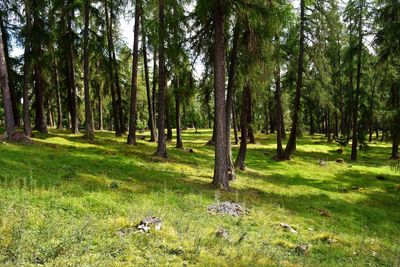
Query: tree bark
<point x="40" y="122"/>
<point x="168" y="120"/>
<point x="89" y="128"/>
<point x="278" y="96"/>
<point x="395" y="127"/>
<point x="244" y="119"/>
<point x="154" y="93"/>
<point x="150" y="105"/>
<point x="161" y="145"/>
<point x="221" y="168"/>
<point x="135" y="61"/>
<point x="290" y="147"/>
<point x="179" y="143"/>
<point x="117" y="126"/>
<point x="235" y="127"/>
<point x="71" y="74"/>
<point x="8" y="110"/>
<point x="12" y="87"/>
<point x="100" y="107"/>
<point x="357" y="96"/>
<point x="27" y="67"/>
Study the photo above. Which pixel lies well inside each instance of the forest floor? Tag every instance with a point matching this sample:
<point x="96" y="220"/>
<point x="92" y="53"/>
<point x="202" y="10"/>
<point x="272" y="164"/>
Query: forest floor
<point x="67" y="202"/>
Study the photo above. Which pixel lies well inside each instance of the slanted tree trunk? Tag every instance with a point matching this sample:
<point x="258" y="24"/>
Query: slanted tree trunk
<point x="221" y="168"/>
<point x="150" y="106"/>
<point x="12" y="87"/>
<point x="7" y="103"/>
<point x="135" y="61"/>
<point x="161" y="145"/>
<point x="291" y="145"/>
<point x="357" y="96"/>
<point x="27" y="73"/>
<point x="235" y="126"/>
<point x="117" y="126"/>
<point x="89" y="128"/>
<point x="278" y="96"/>
<point x="244" y="119"/>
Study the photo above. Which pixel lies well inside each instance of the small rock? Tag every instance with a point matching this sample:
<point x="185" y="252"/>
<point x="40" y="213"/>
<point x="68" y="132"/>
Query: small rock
<point x="222" y="233"/>
<point x="322" y="162"/>
<point x="324" y="212"/>
<point x="340" y="160"/>
<point x="302" y="249"/>
<point x="230" y="208"/>
<point x="146" y="223"/>
<point x="288" y="228"/>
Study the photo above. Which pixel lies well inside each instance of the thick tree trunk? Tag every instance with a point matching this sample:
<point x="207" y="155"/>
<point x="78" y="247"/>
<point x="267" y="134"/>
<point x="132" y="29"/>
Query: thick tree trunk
<point x="89" y="128"/>
<point x="135" y="59"/>
<point x="244" y="119"/>
<point x="148" y="93"/>
<point x="290" y="147"/>
<point x="221" y="168"/>
<point x="40" y="122"/>
<point x="7" y="103"/>
<point x="27" y="67"/>
<point x="278" y="97"/>
<point x="12" y="87"/>
<point x="117" y="126"/>
<point x="357" y="96"/>
<point x="161" y="145"/>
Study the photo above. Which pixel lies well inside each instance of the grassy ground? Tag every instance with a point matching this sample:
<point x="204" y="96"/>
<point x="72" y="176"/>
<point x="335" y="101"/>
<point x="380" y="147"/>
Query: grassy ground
<point x="57" y="207"/>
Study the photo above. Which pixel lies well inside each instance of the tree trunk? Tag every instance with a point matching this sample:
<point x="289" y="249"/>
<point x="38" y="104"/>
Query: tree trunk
<point x="71" y="75"/>
<point x="161" y="145"/>
<point x="154" y="93"/>
<point x="250" y="133"/>
<point x="12" y="87"/>
<point x="148" y="93"/>
<point x="357" y="96"/>
<point x="221" y="168"/>
<point x="89" y="128"/>
<point x="229" y="97"/>
<point x="395" y="124"/>
<point x="117" y="126"/>
<point x="244" y="119"/>
<point x="100" y="107"/>
<point x="179" y="143"/>
<point x="290" y="147"/>
<point x="8" y="110"/>
<point x="118" y="89"/>
<point x="235" y="127"/>
<point x="328" y="125"/>
<point x="278" y="96"/>
<point x="27" y="73"/>
<point x="40" y="122"/>
<point x="135" y="59"/>
<point x="168" y="120"/>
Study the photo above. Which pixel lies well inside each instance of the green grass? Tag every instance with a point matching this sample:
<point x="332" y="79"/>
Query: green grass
<point x="57" y="207"/>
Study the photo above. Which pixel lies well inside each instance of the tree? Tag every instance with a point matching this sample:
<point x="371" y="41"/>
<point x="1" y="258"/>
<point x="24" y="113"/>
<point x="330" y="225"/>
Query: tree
<point x="89" y="128"/>
<point x="27" y="67"/>
<point x="9" y="115"/>
<point x="291" y="145"/>
<point x="161" y="145"/>
<point x="135" y="59"/>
